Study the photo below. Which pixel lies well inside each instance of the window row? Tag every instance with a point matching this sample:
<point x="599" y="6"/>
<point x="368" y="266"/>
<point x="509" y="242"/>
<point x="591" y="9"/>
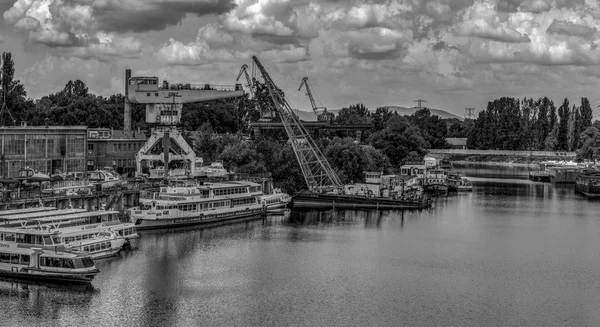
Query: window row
<point x="228" y="191"/>
<point x="120" y="147"/>
<point x="16" y="259"/>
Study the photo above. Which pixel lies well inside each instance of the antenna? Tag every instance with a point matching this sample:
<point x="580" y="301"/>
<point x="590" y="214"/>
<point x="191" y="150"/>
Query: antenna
<point x="419" y="103"/>
<point x="470" y="113"/>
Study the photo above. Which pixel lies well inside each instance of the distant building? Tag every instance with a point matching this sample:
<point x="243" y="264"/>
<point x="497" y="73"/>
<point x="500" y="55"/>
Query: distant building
<point x="457" y="142"/>
<point x="47" y="149"/>
<point x="113" y="148"/>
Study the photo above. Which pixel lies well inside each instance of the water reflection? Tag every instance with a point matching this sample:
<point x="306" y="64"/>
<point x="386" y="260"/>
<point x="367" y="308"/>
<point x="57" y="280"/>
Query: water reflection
<point x="512" y="252"/>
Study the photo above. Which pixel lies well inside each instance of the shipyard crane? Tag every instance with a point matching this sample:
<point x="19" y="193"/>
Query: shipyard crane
<point x="244" y="70"/>
<point x="163" y="109"/>
<point x="317" y="171"/>
<point x="321" y="112"/>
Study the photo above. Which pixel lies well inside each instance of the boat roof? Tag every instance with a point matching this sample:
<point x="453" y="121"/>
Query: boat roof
<point x="25" y="210"/>
<point x="43" y="214"/>
<point x="30" y="231"/>
<point x="83" y="214"/>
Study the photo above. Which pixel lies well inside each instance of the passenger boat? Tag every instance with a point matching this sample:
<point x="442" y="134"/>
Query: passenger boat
<point x="216" y="169"/>
<point x="457" y="183"/>
<point x="588" y="183"/>
<point x="277" y="199"/>
<point x="103" y="245"/>
<point x="36" y="254"/>
<point x="105" y="177"/>
<point x="183" y="203"/>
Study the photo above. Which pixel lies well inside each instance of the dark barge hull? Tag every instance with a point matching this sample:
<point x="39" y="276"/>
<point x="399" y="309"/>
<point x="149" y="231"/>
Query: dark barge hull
<point x="318" y="200"/>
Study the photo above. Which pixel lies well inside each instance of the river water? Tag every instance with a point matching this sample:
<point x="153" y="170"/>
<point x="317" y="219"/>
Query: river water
<point x="511" y="253"/>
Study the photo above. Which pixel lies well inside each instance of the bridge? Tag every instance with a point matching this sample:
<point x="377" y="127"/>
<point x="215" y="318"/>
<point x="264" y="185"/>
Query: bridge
<point x="520" y="153"/>
<point x="313" y="126"/>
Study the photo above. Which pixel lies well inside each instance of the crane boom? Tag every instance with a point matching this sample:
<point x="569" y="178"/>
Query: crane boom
<point x="321" y="112"/>
<point x="244" y="70"/>
<point x="317" y="171"/>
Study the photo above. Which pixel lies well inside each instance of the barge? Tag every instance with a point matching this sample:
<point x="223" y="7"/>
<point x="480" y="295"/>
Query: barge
<point x="314" y="200"/>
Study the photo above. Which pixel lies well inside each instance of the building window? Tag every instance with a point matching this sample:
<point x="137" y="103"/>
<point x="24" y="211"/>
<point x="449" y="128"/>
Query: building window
<point x="90" y="147"/>
<point x="114" y="148"/>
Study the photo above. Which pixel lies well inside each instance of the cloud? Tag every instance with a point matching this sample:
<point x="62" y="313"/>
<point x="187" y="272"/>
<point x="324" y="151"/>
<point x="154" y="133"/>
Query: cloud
<point x="482" y="21"/>
<point x="571" y="29"/>
<point x="148" y="15"/>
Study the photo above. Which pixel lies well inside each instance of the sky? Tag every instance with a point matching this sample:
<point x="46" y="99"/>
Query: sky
<point x="455" y="54"/>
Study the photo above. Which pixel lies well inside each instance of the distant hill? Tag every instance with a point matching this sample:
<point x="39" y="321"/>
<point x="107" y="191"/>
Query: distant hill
<point x="402" y="111"/>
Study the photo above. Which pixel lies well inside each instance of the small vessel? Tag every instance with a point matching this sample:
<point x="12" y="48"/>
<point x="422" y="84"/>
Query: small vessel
<point x="31" y="175"/>
<point x="457" y="183"/>
<point x="588" y="183"/>
<point x="436" y="181"/>
<point x="183" y="203"/>
<point x="39" y="255"/>
<point x="103" y="245"/>
<point x="277" y="199"/>
<point x="216" y="169"/>
<point x="105" y="177"/>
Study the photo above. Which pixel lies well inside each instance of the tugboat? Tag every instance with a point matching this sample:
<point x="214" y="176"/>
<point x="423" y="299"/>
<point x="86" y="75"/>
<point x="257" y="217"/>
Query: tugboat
<point x="277" y="199"/>
<point x="436" y="181"/>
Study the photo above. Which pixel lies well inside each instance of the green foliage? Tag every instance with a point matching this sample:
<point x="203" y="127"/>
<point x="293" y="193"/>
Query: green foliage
<point x="590" y="148"/>
<point x="12" y="94"/>
<point x="399" y="140"/>
<point x="350" y="159"/>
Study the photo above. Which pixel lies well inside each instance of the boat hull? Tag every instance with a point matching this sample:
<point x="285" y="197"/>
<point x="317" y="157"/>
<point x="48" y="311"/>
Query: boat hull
<point x="316" y="200"/>
<point x="205" y="219"/>
<point x="30" y="274"/>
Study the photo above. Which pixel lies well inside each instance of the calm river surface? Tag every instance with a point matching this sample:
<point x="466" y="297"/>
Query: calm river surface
<point x="511" y="253"/>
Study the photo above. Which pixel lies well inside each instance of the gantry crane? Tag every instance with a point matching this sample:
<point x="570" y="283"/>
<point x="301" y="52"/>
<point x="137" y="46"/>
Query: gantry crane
<point x="163" y="110"/>
<point x="316" y="169"/>
<point x="321" y="112"/>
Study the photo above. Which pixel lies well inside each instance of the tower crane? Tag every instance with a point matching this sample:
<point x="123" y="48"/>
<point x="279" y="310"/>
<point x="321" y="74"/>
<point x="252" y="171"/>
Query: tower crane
<point x="163" y="109"/>
<point x="321" y="112"/>
<point x="317" y="171"/>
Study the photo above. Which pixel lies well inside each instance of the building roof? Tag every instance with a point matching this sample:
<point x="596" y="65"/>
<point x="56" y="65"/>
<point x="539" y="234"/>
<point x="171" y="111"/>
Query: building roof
<point x="461" y="141"/>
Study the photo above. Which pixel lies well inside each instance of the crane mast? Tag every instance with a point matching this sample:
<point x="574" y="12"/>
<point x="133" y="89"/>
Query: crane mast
<point x="317" y="171"/>
<point x="321" y="112"/>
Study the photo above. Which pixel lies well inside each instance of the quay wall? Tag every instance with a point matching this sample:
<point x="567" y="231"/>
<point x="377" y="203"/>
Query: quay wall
<point x="526" y="153"/>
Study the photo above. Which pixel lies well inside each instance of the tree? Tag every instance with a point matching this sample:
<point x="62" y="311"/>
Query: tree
<point x="590" y="149"/>
<point x="13" y="94"/>
<point x="563" y="126"/>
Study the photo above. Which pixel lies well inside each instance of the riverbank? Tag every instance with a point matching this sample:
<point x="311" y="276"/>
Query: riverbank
<point x="499" y="160"/>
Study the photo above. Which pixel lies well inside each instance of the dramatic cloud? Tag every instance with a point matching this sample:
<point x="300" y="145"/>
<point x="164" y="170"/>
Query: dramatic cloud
<point x="380" y="52"/>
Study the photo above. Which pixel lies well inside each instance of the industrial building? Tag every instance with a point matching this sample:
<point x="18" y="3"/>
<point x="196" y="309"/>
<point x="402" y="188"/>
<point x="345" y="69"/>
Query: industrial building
<point x="47" y="149"/>
<point x="114" y="148"/>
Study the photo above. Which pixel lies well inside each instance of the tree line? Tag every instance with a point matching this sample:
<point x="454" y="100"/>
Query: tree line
<point x="528" y="124"/>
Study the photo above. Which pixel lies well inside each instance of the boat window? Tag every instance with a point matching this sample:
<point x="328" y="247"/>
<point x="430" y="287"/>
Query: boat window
<point x="25" y="259"/>
<point x="108" y="245"/>
<point x="86" y="249"/>
<point x="68" y="263"/>
<point x="55" y="239"/>
<point x="47" y="240"/>
<point x="20" y="238"/>
<point x="9" y="237"/>
<point x="14" y="259"/>
<point x="103" y="246"/>
<point x="87" y="262"/>
<point x="4" y="257"/>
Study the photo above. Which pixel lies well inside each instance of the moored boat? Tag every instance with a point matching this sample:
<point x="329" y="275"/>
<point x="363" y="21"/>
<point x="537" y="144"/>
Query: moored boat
<point x="39" y="255"/>
<point x="216" y="169"/>
<point x="456" y="183"/>
<point x="184" y="203"/>
<point x="105" y="177"/>
<point x="435" y="181"/>
<point x="588" y="183"/>
<point x="103" y="245"/>
<point x="277" y="199"/>
<point x="315" y="200"/>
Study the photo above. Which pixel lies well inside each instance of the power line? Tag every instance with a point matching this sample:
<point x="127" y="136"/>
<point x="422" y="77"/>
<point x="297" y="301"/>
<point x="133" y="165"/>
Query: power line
<point x="419" y="102"/>
<point x="469" y="113"/>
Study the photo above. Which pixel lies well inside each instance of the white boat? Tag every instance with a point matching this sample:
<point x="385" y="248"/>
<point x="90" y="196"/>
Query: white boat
<point x="103" y="245"/>
<point x="216" y="169"/>
<point x="105" y="178"/>
<point x="39" y="255"/>
<point x="277" y="199"/>
<point x="184" y="203"/>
